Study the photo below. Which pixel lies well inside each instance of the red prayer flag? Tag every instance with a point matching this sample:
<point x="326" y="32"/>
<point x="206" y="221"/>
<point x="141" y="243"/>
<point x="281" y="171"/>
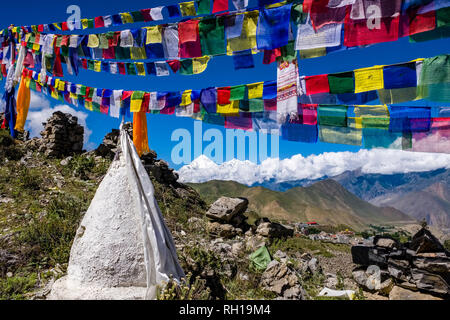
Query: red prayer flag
<point x="224" y="95"/>
<point x="175" y="65"/>
<point x="220" y="5"/>
<point x="168" y="110"/>
<point x="121" y="66"/>
<point x="146" y="15"/>
<point x="270" y="105"/>
<point x="64" y="26"/>
<point x="99" y="22"/>
<point x="84" y="64"/>
<point x="271" y="56"/>
<point x="309" y="114"/>
<point x="317" y="84"/>
<point x="57" y="67"/>
<point x="109" y="53"/>
<point x="412" y="23"/>
<point x="369" y="31"/>
<point x="40" y="28"/>
<point x="321" y="15"/>
<point x="126" y="95"/>
<point x="189" y="39"/>
<point x="145" y="102"/>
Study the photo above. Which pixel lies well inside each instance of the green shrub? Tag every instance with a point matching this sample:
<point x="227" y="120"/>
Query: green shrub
<point x="53" y="234"/>
<point x="80" y="166"/>
<point x="447" y="244"/>
<point x="14" y="288"/>
<point x="29" y="179"/>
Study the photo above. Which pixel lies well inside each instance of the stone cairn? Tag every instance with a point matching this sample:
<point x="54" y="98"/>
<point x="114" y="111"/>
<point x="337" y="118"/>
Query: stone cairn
<point x="62" y="136"/>
<point x="419" y="269"/>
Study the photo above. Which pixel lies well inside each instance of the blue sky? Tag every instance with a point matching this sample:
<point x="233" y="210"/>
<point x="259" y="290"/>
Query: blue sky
<point x="220" y="71"/>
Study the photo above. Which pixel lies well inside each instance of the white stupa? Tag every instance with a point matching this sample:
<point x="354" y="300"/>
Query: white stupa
<point x="123" y="248"/>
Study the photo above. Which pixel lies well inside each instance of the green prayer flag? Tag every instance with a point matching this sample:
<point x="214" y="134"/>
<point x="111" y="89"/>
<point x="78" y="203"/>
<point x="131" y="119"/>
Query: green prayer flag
<point x="203" y="7"/>
<point x="95" y="106"/>
<point x="255" y="105"/>
<point x="91" y="23"/>
<point x="342" y="82"/>
<point x="212" y="36"/>
<point x="122" y="53"/>
<point x="333" y="116"/>
<point x="137" y="16"/>
<point x="91" y="65"/>
<point x="260" y="259"/>
<point x="65" y="51"/>
<point x="82" y="90"/>
<point x="137" y="95"/>
<point x="438" y="33"/>
<point x="131" y="69"/>
<point x="238" y="92"/>
<point x="443" y="17"/>
<point x="186" y="67"/>
<point x="288" y="52"/>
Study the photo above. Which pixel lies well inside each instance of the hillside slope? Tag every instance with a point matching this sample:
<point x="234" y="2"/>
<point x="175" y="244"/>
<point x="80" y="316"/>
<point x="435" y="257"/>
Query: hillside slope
<point x="424" y="195"/>
<point x="326" y="202"/>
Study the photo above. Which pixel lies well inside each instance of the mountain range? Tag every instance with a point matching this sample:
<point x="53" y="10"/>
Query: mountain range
<point x="326" y="202"/>
<point x="354" y="197"/>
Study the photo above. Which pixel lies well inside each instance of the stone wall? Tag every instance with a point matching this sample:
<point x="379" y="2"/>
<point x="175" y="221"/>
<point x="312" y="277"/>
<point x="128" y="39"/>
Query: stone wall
<point x="62" y="136"/>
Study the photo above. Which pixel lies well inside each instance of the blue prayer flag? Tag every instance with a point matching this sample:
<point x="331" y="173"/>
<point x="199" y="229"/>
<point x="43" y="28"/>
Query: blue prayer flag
<point x="208" y="98"/>
<point x="243" y="60"/>
<point x="270" y="90"/>
<point x="273" y="27"/>
<point x="400" y="76"/>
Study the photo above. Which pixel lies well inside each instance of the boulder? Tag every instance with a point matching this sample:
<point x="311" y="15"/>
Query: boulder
<point x="424" y="242"/>
<point x="398" y="293"/>
<point x="226" y="231"/>
<point x="281" y="280"/>
<point x="430" y="282"/>
<point x="225" y="209"/>
<point x="274" y="230"/>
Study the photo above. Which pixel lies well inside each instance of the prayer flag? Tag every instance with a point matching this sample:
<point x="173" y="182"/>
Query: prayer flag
<point x="220" y="5"/>
<point x="188" y="9"/>
<point x="203" y="6"/>
<point x="238" y="92"/>
<point x="154" y="35"/>
<point x="255" y="90"/>
<point x="333" y="116"/>
<point x="190" y="46"/>
<point x="273" y="27"/>
<point x="368" y="79"/>
<point x="212" y="36"/>
<point x="400" y="76"/>
<point x="317" y="84"/>
<point x="243" y="60"/>
<point x="341" y="82"/>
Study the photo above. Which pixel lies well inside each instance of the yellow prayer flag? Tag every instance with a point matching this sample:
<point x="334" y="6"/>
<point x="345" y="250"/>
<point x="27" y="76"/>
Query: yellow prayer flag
<point x="154" y="35"/>
<point x="200" y="64"/>
<point x="27" y="37"/>
<point x="73" y="96"/>
<point x="247" y="39"/>
<point x="255" y="90"/>
<point x="140" y="68"/>
<point x="36" y="47"/>
<point x="276" y="5"/>
<point x="88" y="105"/>
<point x="188" y="9"/>
<point x="229" y="109"/>
<point x="85" y="23"/>
<point x="93" y="41"/>
<point x="186" y="98"/>
<point x="61" y="85"/>
<point x="135" y="105"/>
<point x="54" y="94"/>
<point x="126" y="17"/>
<point x="368" y="79"/>
<point x="57" y="26"/>
<point x="97" y="66"/>
<point x="138" y="53"/>
<point x="313" y="53"/>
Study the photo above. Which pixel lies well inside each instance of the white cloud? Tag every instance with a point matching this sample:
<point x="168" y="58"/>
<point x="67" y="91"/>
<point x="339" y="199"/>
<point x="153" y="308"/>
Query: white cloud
<point x="382" y="161"/>
<point x="40" y="111"/>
